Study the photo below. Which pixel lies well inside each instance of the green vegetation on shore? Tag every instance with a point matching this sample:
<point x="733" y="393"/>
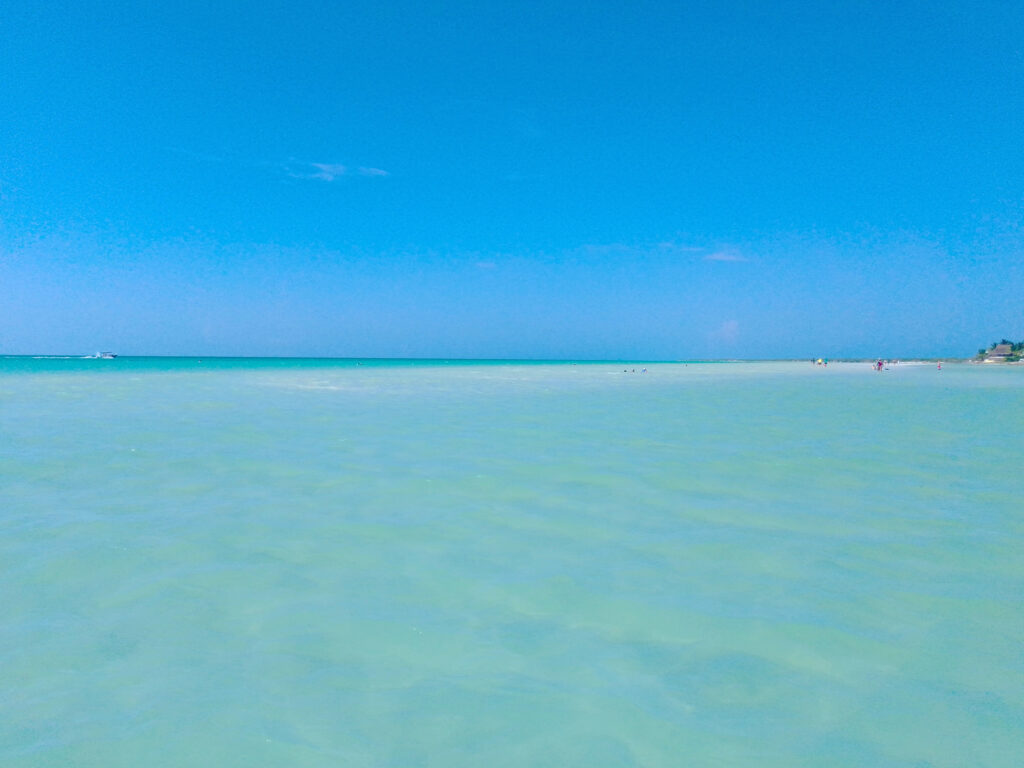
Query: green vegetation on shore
<point x="1003" y="350"/>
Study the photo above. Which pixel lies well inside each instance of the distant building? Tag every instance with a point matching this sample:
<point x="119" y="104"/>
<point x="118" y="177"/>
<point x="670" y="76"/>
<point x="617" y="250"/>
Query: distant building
<point x="999" y="352"/>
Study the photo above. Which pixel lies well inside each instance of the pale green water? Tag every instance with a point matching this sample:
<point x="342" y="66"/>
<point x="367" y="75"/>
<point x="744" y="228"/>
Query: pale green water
<point x="314" y="563"/>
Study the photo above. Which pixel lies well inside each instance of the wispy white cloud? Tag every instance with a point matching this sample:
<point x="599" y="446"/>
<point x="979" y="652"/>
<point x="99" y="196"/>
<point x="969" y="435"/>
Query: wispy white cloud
<point x="295" y="169"/>
<point x="328" y="171"/>
<point x="665" y="248"/>
<point x="725" y="255"/>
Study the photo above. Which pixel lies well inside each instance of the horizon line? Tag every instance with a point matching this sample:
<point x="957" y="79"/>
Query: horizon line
<point x="933" y="358"/>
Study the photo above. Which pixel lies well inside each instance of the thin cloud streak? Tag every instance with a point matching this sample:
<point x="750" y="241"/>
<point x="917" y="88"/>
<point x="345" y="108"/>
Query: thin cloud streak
<point x="329" y="172"/>
<point x="669" y="248"/>
<point x="295" y="169"/>
<point x="725" y="256"/>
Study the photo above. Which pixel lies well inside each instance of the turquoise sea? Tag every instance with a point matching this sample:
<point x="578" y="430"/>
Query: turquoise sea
<point x="384" y="563"/>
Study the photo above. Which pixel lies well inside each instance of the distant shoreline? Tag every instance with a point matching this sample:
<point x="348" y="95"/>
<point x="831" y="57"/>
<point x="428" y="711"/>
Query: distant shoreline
<point x="513" y="360"/>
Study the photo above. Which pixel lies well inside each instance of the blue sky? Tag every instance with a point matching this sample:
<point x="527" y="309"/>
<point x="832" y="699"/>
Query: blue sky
<point x="525" y="179"/>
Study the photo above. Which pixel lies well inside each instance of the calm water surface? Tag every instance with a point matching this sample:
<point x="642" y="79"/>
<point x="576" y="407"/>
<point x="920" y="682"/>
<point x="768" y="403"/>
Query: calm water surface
<point x="319" y="563"/>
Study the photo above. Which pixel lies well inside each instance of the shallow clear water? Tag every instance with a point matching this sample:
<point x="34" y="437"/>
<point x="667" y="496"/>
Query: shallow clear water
<point x="319" y="563"/>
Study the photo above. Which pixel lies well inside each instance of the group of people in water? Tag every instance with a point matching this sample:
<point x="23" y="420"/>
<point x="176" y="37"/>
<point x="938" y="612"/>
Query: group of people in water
<point x="878" y="365"/>
<point x="883" y="365"/>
